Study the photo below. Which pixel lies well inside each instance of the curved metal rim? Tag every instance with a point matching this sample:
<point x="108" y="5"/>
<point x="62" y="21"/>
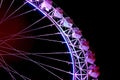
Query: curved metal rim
<point x="60" y="29"/>
<point x="74" y="54"/>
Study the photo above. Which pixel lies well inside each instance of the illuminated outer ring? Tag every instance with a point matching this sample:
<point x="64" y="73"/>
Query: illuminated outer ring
<point x="79" y="65"/>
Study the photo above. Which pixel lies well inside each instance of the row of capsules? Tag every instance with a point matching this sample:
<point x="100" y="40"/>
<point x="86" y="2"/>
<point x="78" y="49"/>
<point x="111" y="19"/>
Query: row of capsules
<point x="46" y="5"/>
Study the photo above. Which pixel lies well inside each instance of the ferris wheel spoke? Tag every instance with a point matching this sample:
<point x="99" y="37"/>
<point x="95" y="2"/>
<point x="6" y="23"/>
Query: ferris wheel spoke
<point x="39" y="64"/>
<point x="22" y="31"/>
<point x="1" y="2"/>
<point x="4" y="38"/>
<point x="24" y="13"/>
<point x="8" y="9"/>
<point x="12" y="13"/>
<point x="12" y="72"/>
<point x="51" y="58"/>
<point x="52" y="67"/>
<point x="5" y="66"/>
<point x="7" y="38"/>
<point x="51" y="34"/>
<point x="20" y="75"/>
<point x="21" y="53"/>
<point x="50" y="40"/>
<point x="31" y="25"/>
<point x="53" y="53"/>
<point x="6" y="53"/>
<point x="8" y="47"/>
<point x="35" y="29"/>
<point x="16" y="53"/>
<point x="38" y="38"/>
<point x="42" y="35"/>
<point x="29" y="59"/>
<point x="45" y="65"/>
<point x="45" y="39"/>
<point x="9" y="72"/>
<point x="14" y="35"/>
<point x="28" y="53"/>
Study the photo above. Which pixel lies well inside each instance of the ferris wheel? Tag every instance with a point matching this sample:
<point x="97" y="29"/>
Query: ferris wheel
<point x="38" y="41"/>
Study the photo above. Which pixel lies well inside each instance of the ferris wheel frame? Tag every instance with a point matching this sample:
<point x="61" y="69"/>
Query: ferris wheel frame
<point x="72" y="44"/>
<point x="78" y="47"/>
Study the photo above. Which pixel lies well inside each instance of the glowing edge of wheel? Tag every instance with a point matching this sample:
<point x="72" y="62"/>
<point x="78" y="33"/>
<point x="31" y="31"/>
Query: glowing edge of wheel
<point x="73" y="70"/>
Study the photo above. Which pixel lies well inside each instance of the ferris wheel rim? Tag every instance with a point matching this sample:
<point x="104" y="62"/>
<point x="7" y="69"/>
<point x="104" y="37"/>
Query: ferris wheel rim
<point x="68" y="41"/>
<point x="79" y="64"/>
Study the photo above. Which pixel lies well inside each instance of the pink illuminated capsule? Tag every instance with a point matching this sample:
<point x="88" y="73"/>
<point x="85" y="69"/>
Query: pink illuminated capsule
<point x="90" y="57"/>
<point x="93" y="71"/>
<point x="93" y="67"/>
<point x="46" y="4"/>
<point x="58" y="12"/>
<point x="84" y="44"/>
<point x="33" y="0"/>
<point x="67" y="22"/>
<point x="94" y="74"/>
<point x="77" y="33"/>
<point x="38" y="0"/>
